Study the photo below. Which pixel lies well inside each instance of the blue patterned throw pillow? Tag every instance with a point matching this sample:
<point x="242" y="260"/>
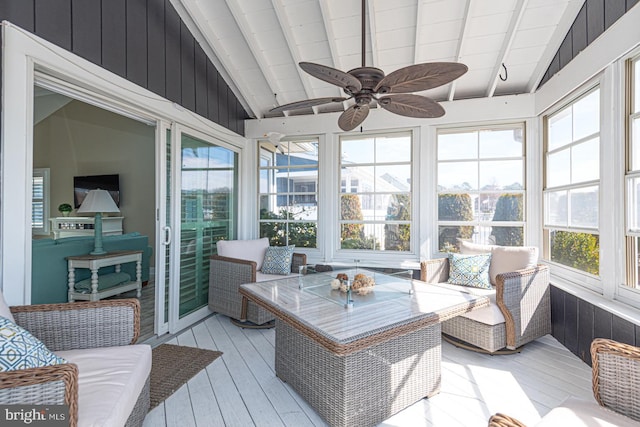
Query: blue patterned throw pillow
<point x="470" y="270"/>
<point x="21" y="350"/>
<point x="277" y="260"/>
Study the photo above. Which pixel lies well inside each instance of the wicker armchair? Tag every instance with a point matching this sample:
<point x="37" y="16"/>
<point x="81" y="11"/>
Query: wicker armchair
<point x="71" y="326"/>
<point x="616" y="388"/>
<point x="523" y="298"/>
<point x="225" y="277"/>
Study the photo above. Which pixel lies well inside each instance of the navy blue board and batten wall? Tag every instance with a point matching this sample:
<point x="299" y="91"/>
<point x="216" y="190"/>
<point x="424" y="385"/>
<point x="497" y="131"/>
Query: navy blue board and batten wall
<point x="144" y="41"/>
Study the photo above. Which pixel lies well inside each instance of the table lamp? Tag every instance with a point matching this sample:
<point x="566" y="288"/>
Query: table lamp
<point x="98" y="201"/>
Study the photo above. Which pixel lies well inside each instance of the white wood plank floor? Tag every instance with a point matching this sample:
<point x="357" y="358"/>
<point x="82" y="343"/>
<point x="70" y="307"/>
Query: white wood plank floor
<point x="241" y="389"/>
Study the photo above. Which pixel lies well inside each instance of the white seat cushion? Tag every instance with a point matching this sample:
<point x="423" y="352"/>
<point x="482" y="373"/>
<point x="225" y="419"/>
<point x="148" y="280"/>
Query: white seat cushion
<point x="576" y="412"/>
<point x="490" y="315"/>
<point x="110" y="380"/>
<point x="250" y="250"/>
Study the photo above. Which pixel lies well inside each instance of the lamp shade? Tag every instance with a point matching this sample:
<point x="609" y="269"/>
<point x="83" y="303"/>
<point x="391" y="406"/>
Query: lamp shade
<point x="98" y="201"/>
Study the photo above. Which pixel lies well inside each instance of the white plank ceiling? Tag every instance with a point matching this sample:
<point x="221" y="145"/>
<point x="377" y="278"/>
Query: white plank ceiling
<point x="257" y="44"/>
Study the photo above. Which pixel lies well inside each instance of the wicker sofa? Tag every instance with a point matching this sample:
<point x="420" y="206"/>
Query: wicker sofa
<point x="106" y="379"/>
<point x="520" y="309"/>
<point x="239" y="262"/>
<point x="616" y="388"/>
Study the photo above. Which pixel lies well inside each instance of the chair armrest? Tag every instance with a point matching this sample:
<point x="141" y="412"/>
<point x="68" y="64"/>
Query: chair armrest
<point x="232" y="270"/>
<point x="524" y="300"/>
<point x="616" y="376"/>
<point x="501" y="420"/>
<point x="298" y="260"/>
<point x="79" y="325"/>
<point x="434" y="270"/>
<point x="49" y="385"/>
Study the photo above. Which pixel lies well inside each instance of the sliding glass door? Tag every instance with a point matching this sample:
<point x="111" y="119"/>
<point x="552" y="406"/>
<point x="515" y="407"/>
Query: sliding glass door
<point x="206" y="188"/>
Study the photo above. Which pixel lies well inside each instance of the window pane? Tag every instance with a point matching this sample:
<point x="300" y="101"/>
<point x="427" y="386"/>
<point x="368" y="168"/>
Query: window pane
<point x="586" y="116"/>
<point x="634" y="201"/>
<point x="560" y="129"/>
<point x="37" y="214"/>
<point x="635" y="138"/>
<point x="584" y="207"/>
<point x="455" y="207"/>
<point x="276" y="232"/>
<point x="457" y="176"/>
<point x="398" y="207"/>
<point x="393" y="178"/>
<point x="585" y="161"/>
<point x="352" y="236"/>
<point x="356" y="179"/>
<point x="351" y="207"/>
<point x="302" y="234"/>
<point x="636" y="85"/>
<point x="558" y="168"/>
<point x="455" y="146"/>
<point x="508" y="207"/>
<point x="501" y="143"/>
<point x="393" y="149"/>
<point x="577" y="250"/>
<point x="357" y="151"/>
<point x="501" y="174"/>
<point x="557" y="208"/>
<point x="507" y="236"/>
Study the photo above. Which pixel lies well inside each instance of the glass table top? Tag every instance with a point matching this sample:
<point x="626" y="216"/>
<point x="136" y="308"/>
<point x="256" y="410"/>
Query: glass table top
<point x="387" y="287"/>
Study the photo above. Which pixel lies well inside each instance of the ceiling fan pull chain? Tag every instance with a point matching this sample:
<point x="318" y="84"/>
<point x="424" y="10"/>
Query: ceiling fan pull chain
<point x="506" y="76"/>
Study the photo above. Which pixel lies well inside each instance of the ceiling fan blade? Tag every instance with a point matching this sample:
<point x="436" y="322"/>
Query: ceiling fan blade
<point x="333" y="76"/>
<point x="412" y="106"/>
<point x="420" y="77"/>
<point x="305" y="104"/>
<point x="352" y="117"/>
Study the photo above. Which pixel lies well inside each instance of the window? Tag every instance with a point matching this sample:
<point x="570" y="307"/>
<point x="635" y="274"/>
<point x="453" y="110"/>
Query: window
<point x="572" y="173"/>
<point x="376" y="192"/>
<point x="633" y="174"/>
<point x="288" y="192"/>
<point x="481" y="186"/>
<point x="40" y="201"/>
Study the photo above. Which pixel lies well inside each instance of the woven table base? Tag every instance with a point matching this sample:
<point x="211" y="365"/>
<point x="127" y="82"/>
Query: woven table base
<point x="250" y="325"/>
<point x="471" y="347"/>
<point x="174" y="365"/>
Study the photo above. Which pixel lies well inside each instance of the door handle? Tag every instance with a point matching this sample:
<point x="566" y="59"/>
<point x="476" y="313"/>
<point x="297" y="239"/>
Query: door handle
<point x="167" y="235"/>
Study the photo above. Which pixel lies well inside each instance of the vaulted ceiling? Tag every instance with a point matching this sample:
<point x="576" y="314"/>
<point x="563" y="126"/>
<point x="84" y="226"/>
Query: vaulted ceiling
<point x="257" y="44"/>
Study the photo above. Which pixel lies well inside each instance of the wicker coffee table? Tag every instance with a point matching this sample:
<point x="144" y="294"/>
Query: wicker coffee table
<point x="359" y="364"/>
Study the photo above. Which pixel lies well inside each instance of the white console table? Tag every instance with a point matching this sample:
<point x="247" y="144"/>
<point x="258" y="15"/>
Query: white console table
<point x="70" y="226"/>
<point x="94" y="263"/>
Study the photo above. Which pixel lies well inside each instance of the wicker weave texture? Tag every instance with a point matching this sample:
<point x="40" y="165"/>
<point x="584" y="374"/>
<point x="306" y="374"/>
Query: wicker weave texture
<point x="365" y="387"/>
<point x="501" y="420"/>
<point x="523" y="297"/>
<point x="82" y="325"/>
<point x="616" y="376"/>
<point x="488" y="337"/>
<point x="225" y="277"/>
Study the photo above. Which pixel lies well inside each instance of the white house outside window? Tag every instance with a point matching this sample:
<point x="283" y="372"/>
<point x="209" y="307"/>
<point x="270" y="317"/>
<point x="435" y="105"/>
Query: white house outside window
<point x="481" y="186"/>
<point x="376" y="192"/>
<point x="572" y="173"/>
<point x="288" y="192"/>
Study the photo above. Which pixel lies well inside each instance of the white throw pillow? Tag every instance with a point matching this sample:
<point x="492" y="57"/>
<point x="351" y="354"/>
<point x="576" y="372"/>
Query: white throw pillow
<point x="503" y="258"/>
<point x="250" y="250"/>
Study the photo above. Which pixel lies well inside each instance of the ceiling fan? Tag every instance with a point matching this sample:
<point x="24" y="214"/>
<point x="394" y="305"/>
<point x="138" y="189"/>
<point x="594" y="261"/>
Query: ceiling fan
<point x="392" y="92"/>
